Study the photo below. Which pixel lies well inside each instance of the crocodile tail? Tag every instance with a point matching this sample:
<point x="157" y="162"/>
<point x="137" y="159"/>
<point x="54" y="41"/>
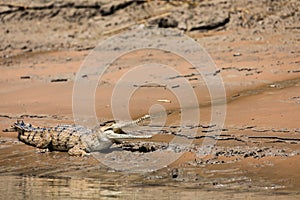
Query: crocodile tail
<point x="38" y="137"/>
<point x="20" y="126"/>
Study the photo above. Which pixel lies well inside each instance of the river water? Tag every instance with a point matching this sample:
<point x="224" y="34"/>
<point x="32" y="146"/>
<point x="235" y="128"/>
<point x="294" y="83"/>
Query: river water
<point x="28" y="187"/>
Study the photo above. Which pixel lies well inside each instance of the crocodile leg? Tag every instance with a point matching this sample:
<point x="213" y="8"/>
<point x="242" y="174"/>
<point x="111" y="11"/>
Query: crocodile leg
<point x="77" y="150"/>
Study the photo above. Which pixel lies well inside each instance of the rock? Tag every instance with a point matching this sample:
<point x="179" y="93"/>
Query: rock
<point x="24" y="77"/>
<point x="167" y="22"/>
<point x="237" y="54"/>
<point x="59" y="80"/>
<point x="174" y="173"/>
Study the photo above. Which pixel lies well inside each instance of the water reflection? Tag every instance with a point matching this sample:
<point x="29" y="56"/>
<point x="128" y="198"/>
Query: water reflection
<point x="19" y="187"/>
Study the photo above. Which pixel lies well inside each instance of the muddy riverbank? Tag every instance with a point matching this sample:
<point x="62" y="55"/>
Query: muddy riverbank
<point x="255" y="46"/>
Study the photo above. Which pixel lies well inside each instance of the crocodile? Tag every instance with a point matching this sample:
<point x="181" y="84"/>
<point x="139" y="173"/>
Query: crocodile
<point x="75" y="139"/>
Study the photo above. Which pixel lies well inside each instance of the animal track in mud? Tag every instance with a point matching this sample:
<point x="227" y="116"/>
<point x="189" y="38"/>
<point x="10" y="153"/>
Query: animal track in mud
<point x="22" y="116"/>
<point x="231" y="133"/>
<point x="216" y="154"/>
<point x="142" y="147"/>
<point x="56" y="7"/>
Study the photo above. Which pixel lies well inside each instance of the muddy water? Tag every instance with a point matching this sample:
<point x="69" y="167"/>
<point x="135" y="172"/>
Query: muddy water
<point x="22" y="187"/>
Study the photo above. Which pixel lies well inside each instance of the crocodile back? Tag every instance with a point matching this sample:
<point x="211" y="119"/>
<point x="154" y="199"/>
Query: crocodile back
<point x="65" y="137"/>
